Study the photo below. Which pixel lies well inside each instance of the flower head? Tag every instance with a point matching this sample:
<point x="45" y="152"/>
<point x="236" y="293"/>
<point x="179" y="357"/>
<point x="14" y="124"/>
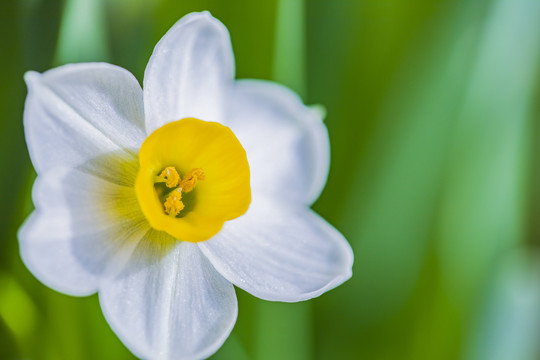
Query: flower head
<point x="161" y="198"/>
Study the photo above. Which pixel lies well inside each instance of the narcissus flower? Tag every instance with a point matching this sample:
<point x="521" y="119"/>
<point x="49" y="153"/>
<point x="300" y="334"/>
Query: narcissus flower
<point x="161" y="198"/>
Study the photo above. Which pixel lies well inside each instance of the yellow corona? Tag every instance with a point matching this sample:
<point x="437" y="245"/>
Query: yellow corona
<point x="193" y="176"/>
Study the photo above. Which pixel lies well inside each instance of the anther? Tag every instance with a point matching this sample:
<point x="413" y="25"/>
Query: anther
<point x="171" y="177"/>
<point x="191" y="179"/>
<point x="173" y="204"/>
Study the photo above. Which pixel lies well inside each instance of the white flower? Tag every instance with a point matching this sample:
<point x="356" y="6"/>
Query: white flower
<point x="165" y="273"/>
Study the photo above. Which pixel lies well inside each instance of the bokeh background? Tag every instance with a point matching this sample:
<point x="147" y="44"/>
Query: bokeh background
<point x="433" y="112"/>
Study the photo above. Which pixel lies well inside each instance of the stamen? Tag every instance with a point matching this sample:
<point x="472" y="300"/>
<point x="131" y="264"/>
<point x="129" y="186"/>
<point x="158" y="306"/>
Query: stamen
<point x="174" y="204"/>
<point x="191" y="179"/>
<point x="171" y="177"/>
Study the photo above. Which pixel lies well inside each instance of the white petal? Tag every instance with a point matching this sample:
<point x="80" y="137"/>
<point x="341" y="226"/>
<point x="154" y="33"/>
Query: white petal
<point x="79" y="111"/>
<point x="280" y="254"/>
<point x="286" y="142"/>
<point x="169" y="302"/>
<point x="82" y="230"/>
<point x="189" y="72"/>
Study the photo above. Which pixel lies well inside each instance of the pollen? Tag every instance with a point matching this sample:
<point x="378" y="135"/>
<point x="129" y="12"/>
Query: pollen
<point x="191" y="179"/>
<point x="170" y="176"/>
<point x="173" y="203"/>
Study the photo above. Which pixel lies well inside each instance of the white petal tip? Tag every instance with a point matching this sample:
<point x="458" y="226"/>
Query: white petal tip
<point x="203" y="16"/>
<point x="319" y="111"/>
<point x="334" y="283"/>
<point x="31" y="77"/>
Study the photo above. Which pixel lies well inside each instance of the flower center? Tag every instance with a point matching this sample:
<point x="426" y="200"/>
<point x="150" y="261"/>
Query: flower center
<point x="173" y="204"/>
<point x="176" y="195"/>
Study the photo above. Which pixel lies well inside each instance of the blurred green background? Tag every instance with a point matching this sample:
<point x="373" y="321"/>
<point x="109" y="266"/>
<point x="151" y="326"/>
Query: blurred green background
<point x="432" y="109"/>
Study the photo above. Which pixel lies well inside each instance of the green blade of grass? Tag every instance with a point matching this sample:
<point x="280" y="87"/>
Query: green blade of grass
<point x="485" y="198"/>
<point x="284" y="331"/>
